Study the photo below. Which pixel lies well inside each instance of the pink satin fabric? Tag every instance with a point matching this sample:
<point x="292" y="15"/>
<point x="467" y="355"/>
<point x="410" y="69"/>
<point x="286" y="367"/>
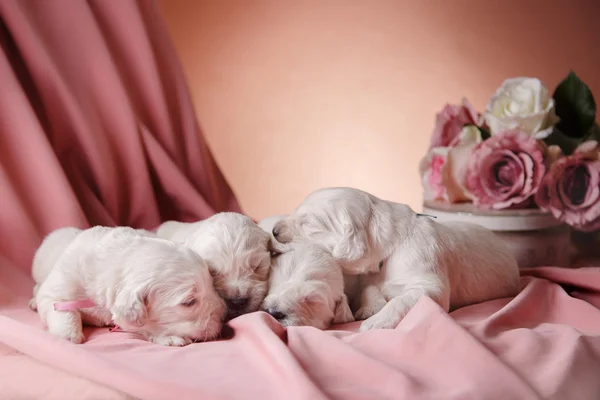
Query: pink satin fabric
<point x="96" y="127"/>
<point x="543" y="344"/>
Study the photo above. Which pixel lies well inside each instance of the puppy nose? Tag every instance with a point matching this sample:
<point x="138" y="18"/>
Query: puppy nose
<point x="237" y="304"/>
<point x="278" y="315"/>
<point x="275" y="232"/>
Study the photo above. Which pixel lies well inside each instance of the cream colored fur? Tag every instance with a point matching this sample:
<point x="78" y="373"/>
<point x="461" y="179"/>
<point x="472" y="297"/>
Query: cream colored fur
<point x="306" y="287"/>
<point x="237" y="252"/>
<point x="143" y="284"/>
<point x="393" y="257"/>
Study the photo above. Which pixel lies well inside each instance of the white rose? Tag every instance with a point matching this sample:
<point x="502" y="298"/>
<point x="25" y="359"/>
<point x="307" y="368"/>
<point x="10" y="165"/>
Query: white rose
<point x="522" y="103"/>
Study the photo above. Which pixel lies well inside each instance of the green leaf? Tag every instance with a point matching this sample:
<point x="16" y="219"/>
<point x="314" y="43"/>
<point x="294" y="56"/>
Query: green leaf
<point x="575" y="106"/>
<point x="569" y="144"/>
<point x="485" y="134"/>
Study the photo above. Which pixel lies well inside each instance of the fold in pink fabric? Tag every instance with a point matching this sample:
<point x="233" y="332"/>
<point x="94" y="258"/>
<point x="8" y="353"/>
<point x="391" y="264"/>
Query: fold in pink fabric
<point x="96" y="124"/>
<point x="543" y="344"/>
<point x="96" y="127"/>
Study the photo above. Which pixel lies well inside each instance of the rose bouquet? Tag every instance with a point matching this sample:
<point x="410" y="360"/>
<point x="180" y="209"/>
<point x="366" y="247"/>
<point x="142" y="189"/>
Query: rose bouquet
<point x="528" y="149"/>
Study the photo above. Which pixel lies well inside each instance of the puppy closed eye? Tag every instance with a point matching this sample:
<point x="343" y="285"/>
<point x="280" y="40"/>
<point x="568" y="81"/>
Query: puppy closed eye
<point x="189" y="302"/>
<point x="256" y="267"/>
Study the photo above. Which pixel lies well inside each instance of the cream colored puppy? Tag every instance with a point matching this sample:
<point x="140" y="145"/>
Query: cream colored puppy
<point x="128" y="277"/>
<point x="306" y="287"/>
<point x="237" y="252"/>
<point x="402" y="255"/>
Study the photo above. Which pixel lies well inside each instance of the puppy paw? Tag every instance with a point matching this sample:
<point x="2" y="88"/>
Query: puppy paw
<point x="97" y="316"/>
<point x="378" y="322"/>
<point x="73" y="335"/>
<point x="363" y="313"/>
<point x="130" y="314"/>
<point x="370" y="269"/>
<point x="33" y="304"/>
<point x="169" y="340"/>
<point x="368" y="310"/>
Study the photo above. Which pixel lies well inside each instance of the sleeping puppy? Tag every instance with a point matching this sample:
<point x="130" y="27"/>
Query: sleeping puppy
<point x="128" y="277"/>
<point x="306" y="287"/>
<point x="401" y="255"/>
<point x="237" y="252"/>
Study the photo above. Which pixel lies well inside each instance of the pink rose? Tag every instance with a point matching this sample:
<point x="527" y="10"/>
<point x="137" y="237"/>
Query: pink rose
<point x="432" y="170"/>
<point x="450" y="121"/>
<point x="506" y="170"/>
<point x="571" y="189"/>
<point x="442" y="173"/>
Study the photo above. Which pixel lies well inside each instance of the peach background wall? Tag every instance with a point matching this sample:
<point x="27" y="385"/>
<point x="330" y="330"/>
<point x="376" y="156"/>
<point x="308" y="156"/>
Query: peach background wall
<point x="295" y="95"/>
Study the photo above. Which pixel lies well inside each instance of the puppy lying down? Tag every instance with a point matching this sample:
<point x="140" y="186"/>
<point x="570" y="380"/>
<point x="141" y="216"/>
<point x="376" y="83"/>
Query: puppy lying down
<point x="399" y="255"/>
<point x="103" y="276"/>
<point x="306" y="287"/>
<point x="237" y="253"/>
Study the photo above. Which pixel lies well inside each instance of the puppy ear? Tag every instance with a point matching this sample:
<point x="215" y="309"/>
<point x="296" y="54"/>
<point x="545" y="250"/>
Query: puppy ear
<point x="130" y="308"/>
<point x="342" y="314"/>
<point x="314" y="292"/>
<point x="352" y="245"/>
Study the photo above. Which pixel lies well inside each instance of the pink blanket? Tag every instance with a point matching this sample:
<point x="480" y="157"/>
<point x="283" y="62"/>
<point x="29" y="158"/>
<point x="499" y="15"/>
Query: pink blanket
<point x="96" y="127"/>
<point x="545" y="343"/>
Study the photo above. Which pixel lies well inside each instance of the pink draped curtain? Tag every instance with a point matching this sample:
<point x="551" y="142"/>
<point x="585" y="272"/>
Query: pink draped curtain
<point x="96" y="123"/>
